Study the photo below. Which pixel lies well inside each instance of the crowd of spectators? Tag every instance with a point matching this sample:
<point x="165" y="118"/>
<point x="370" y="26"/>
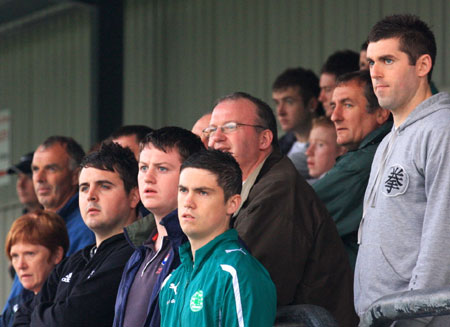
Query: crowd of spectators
<point x="222" y="225"/>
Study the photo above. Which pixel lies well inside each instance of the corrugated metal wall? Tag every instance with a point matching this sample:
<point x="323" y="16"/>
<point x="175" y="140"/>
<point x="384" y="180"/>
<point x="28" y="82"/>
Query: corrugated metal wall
<point x="181" y="55"/>
<point x="45" y="81"/>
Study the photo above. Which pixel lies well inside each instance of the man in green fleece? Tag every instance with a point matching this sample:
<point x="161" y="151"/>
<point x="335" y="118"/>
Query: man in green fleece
<point x="218" y="282"/>
<point x="360" y="124"/>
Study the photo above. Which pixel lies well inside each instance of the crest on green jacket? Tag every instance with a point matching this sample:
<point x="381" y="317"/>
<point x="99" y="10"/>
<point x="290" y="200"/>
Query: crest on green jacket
<point x="196" y="302"/>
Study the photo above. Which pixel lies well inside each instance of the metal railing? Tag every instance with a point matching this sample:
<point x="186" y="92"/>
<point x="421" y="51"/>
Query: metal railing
<point x="304" y="315"/>
<point x="407" y="305"/>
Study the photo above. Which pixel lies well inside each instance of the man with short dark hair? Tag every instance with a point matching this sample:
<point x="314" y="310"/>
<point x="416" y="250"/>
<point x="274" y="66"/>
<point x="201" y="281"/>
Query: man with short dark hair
<point x="82" y="288"/>
<point x="156" y="237"/>
<point x="338" y="63"/>
<point x="218" y="281"/>
<point x="295" y="94"/>
<point x="404" y="231"/>
<point x="281" y="219"/>
<point x="360" y="126"/>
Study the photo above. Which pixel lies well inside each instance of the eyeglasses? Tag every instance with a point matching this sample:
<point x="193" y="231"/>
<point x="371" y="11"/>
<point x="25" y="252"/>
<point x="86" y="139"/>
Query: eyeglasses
<point x="226" y="128"/>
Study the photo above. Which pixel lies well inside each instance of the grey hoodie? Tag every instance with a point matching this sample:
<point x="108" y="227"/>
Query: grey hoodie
<point x="405" y="232"/>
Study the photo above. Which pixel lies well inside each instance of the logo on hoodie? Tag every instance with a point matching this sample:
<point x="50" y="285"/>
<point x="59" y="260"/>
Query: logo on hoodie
<point x="396" y="181"/>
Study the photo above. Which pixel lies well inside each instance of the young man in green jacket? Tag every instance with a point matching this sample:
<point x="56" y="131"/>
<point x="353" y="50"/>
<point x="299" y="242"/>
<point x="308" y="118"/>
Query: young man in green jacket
<point x="218" y="282"/>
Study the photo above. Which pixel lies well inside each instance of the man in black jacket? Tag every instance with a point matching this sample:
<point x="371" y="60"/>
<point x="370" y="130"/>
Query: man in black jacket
<point x="81" y="291"/>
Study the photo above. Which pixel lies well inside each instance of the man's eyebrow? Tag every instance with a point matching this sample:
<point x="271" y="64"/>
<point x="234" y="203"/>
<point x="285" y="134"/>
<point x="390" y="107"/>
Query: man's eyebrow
<point x="104" y="181"/>
<point x="203" y="188"/>
<point x="382" y="57"/>
<point x="99" y="182"/>
<point x="53" y="165"/>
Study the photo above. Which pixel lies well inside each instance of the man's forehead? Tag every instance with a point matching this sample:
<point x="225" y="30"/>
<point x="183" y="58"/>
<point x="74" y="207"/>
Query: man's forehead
<point x="383" y="47"/>
<point x="288" y="90"/>
<point x="348" y="87"/>
<point x="198" y="178"/>
<point x="92" y="175"/>
<point x="55" y="152"/>
<point x="350" y="90"/>
<point x="169" y="153"/>
<point x="239" y="110"/>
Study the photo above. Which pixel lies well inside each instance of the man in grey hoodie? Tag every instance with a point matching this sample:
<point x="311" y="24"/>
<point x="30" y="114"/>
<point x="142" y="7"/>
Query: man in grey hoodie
<point x="404" y="234"/>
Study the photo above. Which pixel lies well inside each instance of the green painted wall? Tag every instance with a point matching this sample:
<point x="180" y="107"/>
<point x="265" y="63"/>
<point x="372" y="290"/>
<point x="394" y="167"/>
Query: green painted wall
<point x="181" y="55"/>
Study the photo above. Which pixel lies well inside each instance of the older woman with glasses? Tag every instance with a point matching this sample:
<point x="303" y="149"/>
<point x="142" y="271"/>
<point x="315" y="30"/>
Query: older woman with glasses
<point x="35" y="244"/>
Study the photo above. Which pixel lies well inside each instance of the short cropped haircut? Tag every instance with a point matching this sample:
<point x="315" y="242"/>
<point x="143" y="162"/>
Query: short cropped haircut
<point x="40" y="227"/>
<point x="341" y="62"/>
<point x="362" y="77"/>
<point x="112" y="157"/>
<point x="140" y="131"/>
<point x="322" y="121"/>
<point x="222" y="165"/>
<point x="72" y="147"/>
<point x="304" y="79"/>
<point x="416" y="38"/>
<point x="172" y="137"/>
<point x="264" y="113"/>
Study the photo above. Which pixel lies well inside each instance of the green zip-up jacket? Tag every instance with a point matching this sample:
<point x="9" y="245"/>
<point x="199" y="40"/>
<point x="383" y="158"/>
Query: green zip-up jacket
<point x="225" y="286"/>
<point x="342" y="188"/>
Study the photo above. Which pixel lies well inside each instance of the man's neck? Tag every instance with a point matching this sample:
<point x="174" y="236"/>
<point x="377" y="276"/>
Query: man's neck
<point x="400" y="114"/>
<point x="160" y="228"/>
<point x="63" y="203"/>
<point x="302" y="133"/>
<point x="263" y="155"/>
<point x="199" y="243"/>
<point x="104" y="235"/>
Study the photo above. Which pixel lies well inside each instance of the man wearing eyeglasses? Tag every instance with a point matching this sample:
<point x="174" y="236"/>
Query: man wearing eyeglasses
<point x="281" y="219"/>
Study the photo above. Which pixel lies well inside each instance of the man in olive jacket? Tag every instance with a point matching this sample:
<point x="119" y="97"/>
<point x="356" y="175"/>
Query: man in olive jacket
<point x="281" y="220"/>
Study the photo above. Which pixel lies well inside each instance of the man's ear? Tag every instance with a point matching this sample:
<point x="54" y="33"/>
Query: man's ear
<point x="134" y="197"/>
<point x="382" y="115"/>
<point x="312" y="104"/>
<point x="75" y="176"/>
<point x="265" y="139"/>
<point x="233" y="204"/>
<point x="423" y="65"/>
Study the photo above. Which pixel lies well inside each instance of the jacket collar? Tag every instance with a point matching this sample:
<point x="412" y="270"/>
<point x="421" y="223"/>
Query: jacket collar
<point x="105" y="244"/>
<point x="69" y="207"/>
<point x="204" y="253"/>
<point x="138" y="232"/>
<point x="376" y="136"/>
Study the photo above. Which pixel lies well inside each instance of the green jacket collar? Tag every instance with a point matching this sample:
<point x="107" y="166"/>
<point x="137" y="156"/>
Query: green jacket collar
<point x="376" y="136"/>
<point x="139" y="231"/>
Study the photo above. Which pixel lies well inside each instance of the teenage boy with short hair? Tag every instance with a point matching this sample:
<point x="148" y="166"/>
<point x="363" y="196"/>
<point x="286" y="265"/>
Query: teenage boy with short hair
<point x="156" y="237"/>
<point x="218" y="281"/>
